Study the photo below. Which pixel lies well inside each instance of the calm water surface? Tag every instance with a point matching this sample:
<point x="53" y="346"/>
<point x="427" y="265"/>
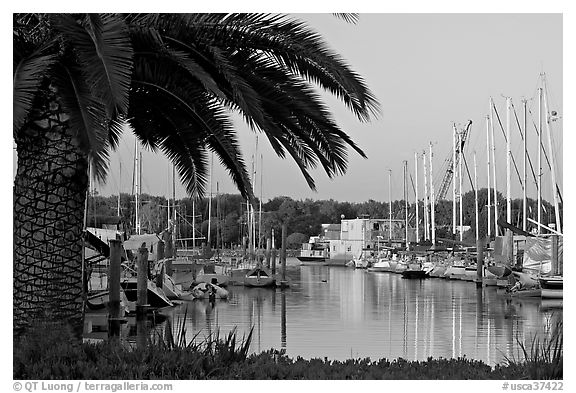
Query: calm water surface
<point x="342" y="313"/>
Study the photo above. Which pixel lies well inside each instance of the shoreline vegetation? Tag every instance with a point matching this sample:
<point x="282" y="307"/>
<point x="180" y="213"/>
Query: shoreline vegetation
<point x="50" y="353"/>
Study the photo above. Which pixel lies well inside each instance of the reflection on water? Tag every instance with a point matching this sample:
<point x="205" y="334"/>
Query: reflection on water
<point x="342" y="313"/>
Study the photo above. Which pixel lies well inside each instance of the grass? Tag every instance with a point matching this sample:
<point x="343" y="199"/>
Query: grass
<point x="541" y="358"/>
<point x="50" y="354"/>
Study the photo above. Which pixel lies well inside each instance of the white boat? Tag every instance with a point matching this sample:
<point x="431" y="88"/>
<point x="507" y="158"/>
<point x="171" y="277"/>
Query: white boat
<point x="156" y="296"/>
<point x="98" y="302"/>
<point x="206" y="291"/>
<point x="314" y="252"/>
<point x="210" y="272"/>
<point x="171" y="289"/>
<point x="259" y="277"/>
<point x="400" y="267"/>
<point x="470" y="273"/>
<point x="526" y="279"/>
<point x="456" y="271"/>
<point x="382" y="265"/>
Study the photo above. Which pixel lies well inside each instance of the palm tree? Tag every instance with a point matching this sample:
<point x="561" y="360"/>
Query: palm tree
<point x="174" y="79"/>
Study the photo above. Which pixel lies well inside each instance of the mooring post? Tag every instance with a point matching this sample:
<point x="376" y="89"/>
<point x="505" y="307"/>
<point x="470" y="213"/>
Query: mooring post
<point x="480" y="261"/>
<point x="168" y="250"/>
<point x="114" y="316"/>
<point x="283" y="251"/>
<point x="160" y="250"/>
<point x="268" y="247"/>
<point x="554" y="263"/>
<point x="142" y="284"/>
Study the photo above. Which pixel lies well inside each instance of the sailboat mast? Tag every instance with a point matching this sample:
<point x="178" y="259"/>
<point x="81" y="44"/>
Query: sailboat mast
<point x="426" y="223"/>
<point x="390" y="205"/>
<point x="488" y="175"/>
<point x="119" y="189"/>
<point x="476" y="196"/>
<point x="552" y="164"/>
<point x="524" y="191"/>
<point x="460" y="159"/>
<point x="174" y="224"/>
<point x="416" y="192"/>
<point x="406" y="204"/>
<point x="432" y="209"/>
<point x="508" y="172"/>
<point x="454" y="177"/>
<point x="210" y="202"/>
<point x="539" y="160"/>
<point x="174" y="197"/>
<point x="218" y="227"/>
<point x="193" y="222"/>
<point x="137" y="189"/>
<point x="494" y="169"/>
<point x="260" y="204"/>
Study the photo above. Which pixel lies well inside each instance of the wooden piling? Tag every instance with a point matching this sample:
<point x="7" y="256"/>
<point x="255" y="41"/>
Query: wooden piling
<point x="142" y="285"/>
<point x="114" y="310"/>
<point x="479" y="261"/>
<point x="554" y="263"/>
<point x="268" y="250"/>
<point x="283" y="251"/>
<point x="160" y="250"/>
<point x="273" y="260"/>
<point x="168" y="250"/>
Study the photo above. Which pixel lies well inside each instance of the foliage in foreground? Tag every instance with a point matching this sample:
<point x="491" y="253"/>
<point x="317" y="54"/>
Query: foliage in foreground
<point x="51" y="355"/>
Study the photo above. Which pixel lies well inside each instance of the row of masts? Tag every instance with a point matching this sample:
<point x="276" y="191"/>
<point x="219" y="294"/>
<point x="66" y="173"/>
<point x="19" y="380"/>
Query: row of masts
<point x="457" y="180"/>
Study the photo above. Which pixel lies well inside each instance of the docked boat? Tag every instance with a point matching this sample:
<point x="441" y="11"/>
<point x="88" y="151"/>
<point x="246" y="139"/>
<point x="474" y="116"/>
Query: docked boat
<point x="156" y="296"/>
<point x="315" y="252"/>
<point x="99" y="301"/>
<point x="207" y="291"/>
<point x="171" y="289"/>
<point x="552" y="287"/>
<point x="259" y="277"/>
<point x="470" y="273"/>
<point x="438" y="271"/>
<point x="499" y="271"/>
<point x="382" y="265"/>
<point x="400" y="267"/>
<point x="456" y="271"/>
<point x="414" y="271"/>
<point x="528" y="292"/>
<point x="489" y="279"/>
<point x="210" y="272"/>
<point x="526" y="279"/>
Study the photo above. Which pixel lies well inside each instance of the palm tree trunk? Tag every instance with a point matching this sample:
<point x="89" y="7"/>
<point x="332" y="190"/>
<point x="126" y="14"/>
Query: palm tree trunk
<point x="49" y="196"/>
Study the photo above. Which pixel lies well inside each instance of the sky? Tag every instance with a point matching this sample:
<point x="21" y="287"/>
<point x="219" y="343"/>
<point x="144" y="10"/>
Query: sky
<point x="428" y="72"/>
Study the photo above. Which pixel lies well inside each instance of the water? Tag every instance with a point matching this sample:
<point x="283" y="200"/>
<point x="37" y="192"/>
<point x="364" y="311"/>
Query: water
<point x="343" y="313"/>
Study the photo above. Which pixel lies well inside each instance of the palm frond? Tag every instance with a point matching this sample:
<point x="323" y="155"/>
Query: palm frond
<point x="102" y="45"/>
<point x="183" y="98"/>
<point x="87" y="116"/>
<point x="348" y="17"/>
<point x="297" y="48"/>
<point x="29" y="74"/>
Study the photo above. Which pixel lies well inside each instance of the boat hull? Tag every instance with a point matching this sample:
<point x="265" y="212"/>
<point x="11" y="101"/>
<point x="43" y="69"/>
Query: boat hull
<point x="535" y="292"/>
<point x="260" y="278"/>
<point x="156" y="296"/>
<point x="414" y="274"/>
<point x="551" y="293"/>
<point x="204" y="290"/>
<point x="259" y="283"/>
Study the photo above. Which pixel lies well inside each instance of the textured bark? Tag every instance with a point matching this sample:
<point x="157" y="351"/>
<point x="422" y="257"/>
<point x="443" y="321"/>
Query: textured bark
<point x="49" y="196"/>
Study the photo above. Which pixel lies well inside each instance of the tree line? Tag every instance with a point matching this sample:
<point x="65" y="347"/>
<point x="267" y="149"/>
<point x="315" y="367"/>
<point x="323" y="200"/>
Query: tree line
<point x="304" y="218"/>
